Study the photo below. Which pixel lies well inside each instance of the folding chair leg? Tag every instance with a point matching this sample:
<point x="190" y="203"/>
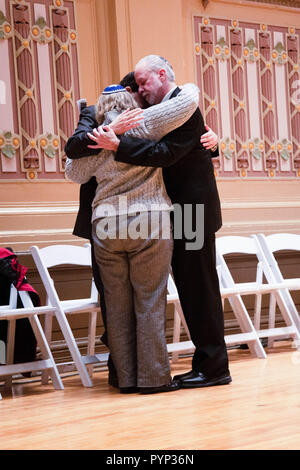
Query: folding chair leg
<point x="286" y="313"/>
<point x="272" y="310"/>
<point x="11" y="332"/>
<point x="290" y="305"/>
<point x="91" y="338"/>
<point x="246" y="326"/>
<point x="48" y="335"/>
<point x="257" y="311"/>
<point x="178" y="319"/>
<point x="73" y="348"/>
<point x="176" y="333"/>
<point x="46" y="352"/>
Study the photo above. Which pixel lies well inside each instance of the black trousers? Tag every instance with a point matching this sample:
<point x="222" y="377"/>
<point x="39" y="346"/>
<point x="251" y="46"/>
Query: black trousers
<point x="197" y="283"/>
<point x="99" y="285"/>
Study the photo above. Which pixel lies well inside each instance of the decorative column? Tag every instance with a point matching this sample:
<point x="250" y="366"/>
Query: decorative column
<point x="39" y="89"/>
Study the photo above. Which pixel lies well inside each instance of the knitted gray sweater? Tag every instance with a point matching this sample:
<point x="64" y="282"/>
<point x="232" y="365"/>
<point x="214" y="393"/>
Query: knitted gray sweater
<point x="124" y="188"/>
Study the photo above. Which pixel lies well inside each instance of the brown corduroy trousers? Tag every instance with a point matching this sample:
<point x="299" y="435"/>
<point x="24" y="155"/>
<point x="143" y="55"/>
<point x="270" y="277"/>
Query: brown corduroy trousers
<point x="135" y="273"/>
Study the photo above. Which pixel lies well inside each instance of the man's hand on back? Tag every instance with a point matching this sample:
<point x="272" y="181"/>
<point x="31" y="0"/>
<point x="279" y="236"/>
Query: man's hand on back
<point x="209" y="140"/>
<point x="127" y="120"/>
<point x="105" y="138"/>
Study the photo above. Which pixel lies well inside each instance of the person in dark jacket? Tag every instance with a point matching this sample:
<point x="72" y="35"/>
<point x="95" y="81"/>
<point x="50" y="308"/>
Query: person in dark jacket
<point x="190" y="183"/>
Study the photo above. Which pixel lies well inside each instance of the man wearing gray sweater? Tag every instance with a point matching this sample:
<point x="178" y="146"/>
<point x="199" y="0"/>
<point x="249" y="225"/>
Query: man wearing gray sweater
<point x="190" y="183"/>
<point x="135" y="269"/>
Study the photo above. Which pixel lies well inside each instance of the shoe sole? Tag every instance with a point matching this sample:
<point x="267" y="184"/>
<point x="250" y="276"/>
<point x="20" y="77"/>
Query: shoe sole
<point x="142" y="392"/>
<point x="129" y="390"/>
<point x="224" y="381"/>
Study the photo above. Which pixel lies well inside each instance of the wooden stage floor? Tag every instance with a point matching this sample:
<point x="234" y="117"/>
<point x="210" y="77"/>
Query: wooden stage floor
<point x="260" y="409"/>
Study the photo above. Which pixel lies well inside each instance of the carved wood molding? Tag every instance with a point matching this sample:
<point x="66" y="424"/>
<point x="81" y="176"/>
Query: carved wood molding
<point x="248" y="75"/>
<point x="38" y="95"/>
<point x="287" y="3"/>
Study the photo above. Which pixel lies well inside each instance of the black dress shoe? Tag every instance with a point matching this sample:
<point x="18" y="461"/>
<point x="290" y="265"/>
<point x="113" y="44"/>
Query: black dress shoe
<point x="170" y="387"/>
<point x="186" y="375"/>
<point x="197" y="380"/>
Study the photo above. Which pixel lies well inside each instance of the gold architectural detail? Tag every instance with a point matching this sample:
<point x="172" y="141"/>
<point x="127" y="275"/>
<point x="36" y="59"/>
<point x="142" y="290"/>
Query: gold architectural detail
<point x="251" y="52"/>
<point x="41" y="32"/>
<point x="21" y="5"/>
<point x="5" y="27"/>
<point x="73" y="36"/>
<point x="49" y="143"/>
<point x="9" y="143"/>
<point x="256" y="147"/>
<point x="227" y="146"/>
<point x="292" y="30"/>
<point x="222" y="50"/>
<point x="31" y="175"/>
<point x="279" y="55"/>
<point x="284" y="148"/>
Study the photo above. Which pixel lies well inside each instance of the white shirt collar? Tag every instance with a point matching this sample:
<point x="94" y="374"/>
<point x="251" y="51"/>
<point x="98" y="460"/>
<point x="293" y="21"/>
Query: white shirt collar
<point x="167" y="96"/>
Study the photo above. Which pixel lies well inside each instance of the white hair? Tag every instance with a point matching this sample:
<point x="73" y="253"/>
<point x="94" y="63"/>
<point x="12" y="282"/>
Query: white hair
<point x="155" y="62"/>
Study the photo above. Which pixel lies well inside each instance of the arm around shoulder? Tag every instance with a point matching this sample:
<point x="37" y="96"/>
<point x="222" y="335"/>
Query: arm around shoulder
<point x="167" y="152"/>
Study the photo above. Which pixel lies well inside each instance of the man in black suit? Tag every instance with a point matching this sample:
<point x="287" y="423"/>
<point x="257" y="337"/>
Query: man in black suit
<point x="190" y="183"/>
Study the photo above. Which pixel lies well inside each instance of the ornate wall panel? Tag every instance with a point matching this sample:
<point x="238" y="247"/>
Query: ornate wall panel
<point x="39" y="88"/>
<point x="248" y="76"/>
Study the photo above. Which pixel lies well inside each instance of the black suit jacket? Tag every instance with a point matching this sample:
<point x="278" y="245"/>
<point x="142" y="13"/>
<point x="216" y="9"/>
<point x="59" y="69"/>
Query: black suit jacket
<point x="77" y="147"/>
<point x="187" y="167"/>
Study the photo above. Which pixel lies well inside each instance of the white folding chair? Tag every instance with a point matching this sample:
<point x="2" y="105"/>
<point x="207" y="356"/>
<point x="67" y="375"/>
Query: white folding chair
<point x="268" y="246"/>
<point x="177" y="346"/>
<point x="234" y="292"/>
<point x="56" y="255"/>
<point x="11" y="313"/>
